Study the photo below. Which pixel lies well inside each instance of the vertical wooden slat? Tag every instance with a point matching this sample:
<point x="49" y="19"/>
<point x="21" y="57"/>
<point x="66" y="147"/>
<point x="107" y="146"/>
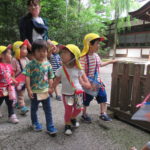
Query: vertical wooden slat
<point x="124" y="98"/>
<point x="114" y="86"/>
<point x="136" y="88"/>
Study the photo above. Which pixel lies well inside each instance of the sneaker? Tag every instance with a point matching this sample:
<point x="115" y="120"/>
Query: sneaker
<point x="51" y="95"/>
<point x="58" y="97"/>
<point x="37" y="127"/>
<point x="68" y="130"/>
<point x="52" y="130"/>
<point x="24" y="110"/>
<point x="13" y="119"/>
<point x="75" y="123"/>
<point x="105" y="117"/>
<point x="86" y="118"/>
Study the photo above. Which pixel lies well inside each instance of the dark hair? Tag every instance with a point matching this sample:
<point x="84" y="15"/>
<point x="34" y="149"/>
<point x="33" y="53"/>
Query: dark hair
<point x="33" y="2"/>
<point x="39" y="44"/>
<point x="93" y="41"/>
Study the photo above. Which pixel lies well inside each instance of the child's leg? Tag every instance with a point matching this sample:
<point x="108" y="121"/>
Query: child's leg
<point x="58" y="97"/>
<point x="68" y="112"/>
<point x="20" y="95"/>
<point x="10" y="106"/>
<point x="48" y="112"/>
<point x="75" y="112"/>
<point x="34" y="109"/>
<point x="1" y="102"/>
<point x="103" y="108"/>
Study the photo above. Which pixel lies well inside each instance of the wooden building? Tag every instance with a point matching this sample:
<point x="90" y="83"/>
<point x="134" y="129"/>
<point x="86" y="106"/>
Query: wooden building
<point x="134" y="41"/>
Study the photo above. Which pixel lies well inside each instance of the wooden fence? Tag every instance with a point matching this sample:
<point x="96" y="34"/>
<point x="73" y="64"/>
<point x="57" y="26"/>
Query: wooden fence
<point x="130" y="85"/>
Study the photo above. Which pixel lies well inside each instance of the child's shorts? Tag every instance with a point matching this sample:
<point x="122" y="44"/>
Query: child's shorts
<point x="101" y="98"/>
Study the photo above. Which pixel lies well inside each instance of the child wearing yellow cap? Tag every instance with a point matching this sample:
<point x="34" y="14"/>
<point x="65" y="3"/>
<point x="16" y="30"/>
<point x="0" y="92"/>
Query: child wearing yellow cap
<point x="6" y="82"/>
<point x="91" y="64"/>
<point x="18" y="63"/>
<point x="72" y="78"/>
<point x="55" y="61"/>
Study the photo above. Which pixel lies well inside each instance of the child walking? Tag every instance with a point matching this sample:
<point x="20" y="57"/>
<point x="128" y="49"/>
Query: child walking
<point x="55" y="61"/>
<point x="91" y="64"/>
<point x="72" y="79"/>
<point x="6" y="82"/>
<point x="18" y="64"/>
<point x="39" y="79"/>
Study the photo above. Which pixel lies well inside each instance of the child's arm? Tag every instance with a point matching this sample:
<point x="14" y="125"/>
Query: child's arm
<point x="56" y="82"/>
<point x="108" y="62"/>
<point x="50" y="81"/>
<point x="30" y="93"/>
<point x="84" y="81"/>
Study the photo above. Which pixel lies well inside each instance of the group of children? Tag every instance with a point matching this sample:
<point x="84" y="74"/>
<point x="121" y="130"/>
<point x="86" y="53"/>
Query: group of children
<point x="45" y="71"/>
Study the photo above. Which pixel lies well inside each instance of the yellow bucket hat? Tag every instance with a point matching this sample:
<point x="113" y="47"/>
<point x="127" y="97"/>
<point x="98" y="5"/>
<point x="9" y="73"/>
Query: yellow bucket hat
<point x="16" y="47"/>
<point x="3" y="48"/>
<point x="76" y="51"/>
<point x="87" y="39"/>
<point x="54" y="43"/>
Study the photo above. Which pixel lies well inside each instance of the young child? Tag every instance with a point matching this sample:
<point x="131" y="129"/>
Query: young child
<point x="72" y="77"/>
<point x="55" y="61"/>
<point x="91" y="63"/>
<point x="39" y="79"/>
<point x="18" y="64"/>
<point x="6" y="81"/>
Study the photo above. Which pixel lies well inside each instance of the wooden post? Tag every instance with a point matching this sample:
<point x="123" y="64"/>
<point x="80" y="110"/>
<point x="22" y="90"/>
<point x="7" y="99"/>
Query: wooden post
<point x="114" y="86"/>
<point x="136" y="97"/>
<point x="147" y="82"/>
<point x="124" y="98"/>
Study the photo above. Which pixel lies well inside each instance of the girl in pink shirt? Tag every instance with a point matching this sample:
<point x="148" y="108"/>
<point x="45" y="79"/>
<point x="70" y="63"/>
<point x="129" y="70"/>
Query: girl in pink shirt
<point x="6" y="82"/>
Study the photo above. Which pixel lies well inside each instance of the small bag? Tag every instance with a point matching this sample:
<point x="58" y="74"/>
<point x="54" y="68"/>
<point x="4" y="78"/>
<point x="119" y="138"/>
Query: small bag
<point x="75" y="99"/>
<point x="96" y="85"/>
<point x="3" y="91"/>
<point x="12" y="92"/>
<point x="144" y="112"/>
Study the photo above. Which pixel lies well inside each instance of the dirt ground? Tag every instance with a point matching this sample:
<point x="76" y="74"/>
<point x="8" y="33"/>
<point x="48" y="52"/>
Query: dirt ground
<point x="98" y="135"/>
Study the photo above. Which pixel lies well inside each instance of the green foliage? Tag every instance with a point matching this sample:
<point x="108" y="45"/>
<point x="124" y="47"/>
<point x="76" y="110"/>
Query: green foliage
<point x="66" y="24"/>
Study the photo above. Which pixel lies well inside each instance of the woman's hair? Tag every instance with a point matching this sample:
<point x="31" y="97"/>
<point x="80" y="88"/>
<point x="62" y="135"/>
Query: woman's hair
<point x="39" y="44"/>
<point x="33" y="2"/>
<point x="93" y="41"/>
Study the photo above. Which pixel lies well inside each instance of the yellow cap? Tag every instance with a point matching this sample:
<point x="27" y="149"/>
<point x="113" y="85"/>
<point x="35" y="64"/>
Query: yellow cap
<point x="76" y="51"/>
<point x="54" y="42"/>
<point x="16" y="47"/>
<point x="87" y="39"/>
<point x="2" y="49"/>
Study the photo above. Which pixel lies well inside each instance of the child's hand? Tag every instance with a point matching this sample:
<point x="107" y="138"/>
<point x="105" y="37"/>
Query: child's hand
<point x="30" y="94"/>
<point x="114" y="61"/>
<point x="51" y="90"/>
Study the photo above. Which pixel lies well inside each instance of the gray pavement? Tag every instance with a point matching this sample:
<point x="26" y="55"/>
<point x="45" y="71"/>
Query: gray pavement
<point x="99" y="135"/>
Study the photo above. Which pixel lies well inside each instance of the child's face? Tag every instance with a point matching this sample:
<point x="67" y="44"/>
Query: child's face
<point x="7" y="56"/>
<point x="65" y="56"/>
<point x="40" y="54"/>
<point x="56" y="50"/>
<point x="34" y="9"/>
<point x="95" y="47"/>
<point x="23" y="51"/>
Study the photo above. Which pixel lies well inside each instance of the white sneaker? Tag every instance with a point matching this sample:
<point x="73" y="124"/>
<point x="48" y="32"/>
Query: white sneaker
<point x="13" y="119"/>
<point x="68" y="130"/>
<point x="40" y="105"/>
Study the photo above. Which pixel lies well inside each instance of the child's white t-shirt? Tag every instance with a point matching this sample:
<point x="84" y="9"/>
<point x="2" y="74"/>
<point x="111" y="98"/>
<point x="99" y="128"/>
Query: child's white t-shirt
<point x="74" y="74"/>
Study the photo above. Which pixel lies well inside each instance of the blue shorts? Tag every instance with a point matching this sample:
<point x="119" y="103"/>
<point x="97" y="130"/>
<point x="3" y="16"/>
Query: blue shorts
<point x="101" y="97"/>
